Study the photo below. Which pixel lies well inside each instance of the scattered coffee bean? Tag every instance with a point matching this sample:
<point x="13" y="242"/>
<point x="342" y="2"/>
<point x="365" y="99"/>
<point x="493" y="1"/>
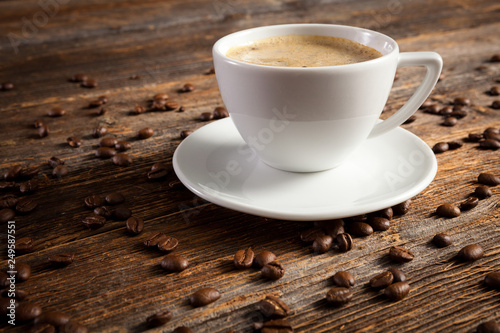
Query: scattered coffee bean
<point x="74" y="142"/>
<point x="8" y="201"/>
<point x="62" y="259"/>
<point x="410" y="120"/>
<point x="273" y="271"/>
<point x="99" y="132"/>
<point x="73" y="326"/>
<point x="174" y="263"/>
<point x="158" y="105"/>
<point x="123" y="145"/>
<point x="100" y="112"/>
<point x="27" y="311"/>
<point x="43" y="328"/>
<point x="382" y="280"/>
<point x="331" y="227"/>
<point x="442" y="240"/>
<point x="471" y="252"/>
<point x="489" y="144"/>
<point x="244" y="258"/>
<point x="108" y="142"/>
<point x="7" y="86"/>
<point x="452" y="145"/>
<point x="6" y="186"/>
<point x="60" y="171"/>
<point x="55" y="161"/>
<point x="55" y="318"/>
<point x="495" y="58"/>
<point x="475" y="137"/>
<point x="344" y="279"/>
<point x="446" y="110"/>
<point x="158" y="171"/>
<point x="154" y="239"/>
<point x="114" y="198"/>
<point x="160" y="96"/>
<point x="462" y="101"/>
<point x="182" y="329"/>
<point x="104" y="211"/>
<point x="26" y="205"/>
<point x="7" y="215"/>
<point x="458" y="114"/>
<point x="29" y="172"/>
<point x="122" y="159"/>
<point x="171" y="106"/>
<point x="311" y="234"/>
<point x="400" y="254"/>
<point x="94" y="201"/>
<point x="160" y="318"/>
<point x="448" y="210"/>
<point x="397" y="291"/>
<point x="185" y="133"/>
<point x="25" y="244"/>
<point x="322" y="244"/>
<point x="380" y="223"/>
<point x="440" y="147"/>
<point x="344" y="242"/>
<point x="105" y="152"/>
<point x="494" y="91"/>
<point x="469" y="203"/>
<point x="492" y="136"/>
<point x="449" y="121"/>
<point x="274" y="326"/>
<point x="220" y="112"/>
<point x="43" y="131"/>
<point x="139" y="109"/>
<point x="361" y="229"/>
<point x="94" y="221"/>
<point x="358" y="218"/>
<point x="432" y="109"/>
<point x="19" y="294"/>
<point x="483" y="192"/>
<point x="167" y="244"/>
<point x="23" y="271"/>
<point x="488" y="179"/>
<point x="492" y="280"/>
<point x="121" y="213"/>
<point x="206" y="116"/>
<point x="339" y="296"/>
<point x="95" y="103"/>
<point x="4" y="279"/>
<point x="89" y="83"/>
<point x="13" y="172"/>
<point x="187" y="88"/>
<point x="145" y="133"/>
<point x="428" y="102"/>
<point x="398" y="275"/>
<point x="78" y="77"/>
<point x="495" y="105"/>
<point x="274" y="307"/>
<point x="135" y="225"/>
<point x="204" y="296"/>
<point x="56" y="112"/>
<point x="264" y="258"/>
<point x="402" y="208"/>
<point x="488" y="327"/>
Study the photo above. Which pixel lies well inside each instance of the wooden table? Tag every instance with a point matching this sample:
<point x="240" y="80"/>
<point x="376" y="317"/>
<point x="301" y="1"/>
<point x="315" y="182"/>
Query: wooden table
<point x="136" y="49"/>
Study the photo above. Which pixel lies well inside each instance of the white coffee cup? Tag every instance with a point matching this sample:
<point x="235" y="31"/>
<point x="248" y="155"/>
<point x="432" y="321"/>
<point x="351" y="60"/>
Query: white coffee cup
<point x="311" y="119"/>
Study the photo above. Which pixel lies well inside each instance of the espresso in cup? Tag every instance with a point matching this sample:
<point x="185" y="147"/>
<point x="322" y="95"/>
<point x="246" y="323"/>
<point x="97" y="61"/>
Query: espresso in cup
<point x="303" y="51"/>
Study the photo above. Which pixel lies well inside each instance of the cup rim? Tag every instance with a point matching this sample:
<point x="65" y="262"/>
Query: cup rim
<point x="216" y="49"/>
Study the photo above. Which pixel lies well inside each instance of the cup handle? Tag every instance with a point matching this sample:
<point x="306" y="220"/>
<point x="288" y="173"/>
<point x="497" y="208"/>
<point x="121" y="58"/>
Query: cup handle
<point x="433" y="64"/>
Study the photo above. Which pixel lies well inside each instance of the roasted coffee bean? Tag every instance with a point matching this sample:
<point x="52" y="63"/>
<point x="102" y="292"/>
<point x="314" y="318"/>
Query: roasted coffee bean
<point x="402" y="208"/>
<point x="99" y="132"/>
<point x="344" y="242"/>
<point x="7" y="215"/>
<point x="475" y="137"/>
<point x="428" y="102"/>
<point x="13" y="172"/>
<point x="397" y="291"/>
<point x="78" y="77"/>
<point x="490" y="144"/>
<point x="471" y="252"/>
<point x="273" y="307"/>
<point x="105" y="152"/>
<point x="6" y="186"/>
<point x="410" y="119"/>
<point x="62" y="259"/>
<point x="60" y="171"/>
<point x="135" y="225"/>
<point x="398" y="275"/>
<point x="94" y="221"/>
<point x="488" y="327"/>
<point x="344" y="279"/>
<point x="122" y="159"/>
<point x="19" y="294"/>
<point x="206" y="116"/>
<point x="74" y="142"/>
<point x="244" y="258"/>
<point x="442" y="240"/>
<point x="400" y="254"/>
<point x="29" y="172"/>
<point x="382" y="280"/>
<point x="114" y="198"/>
<point x="145" y="133"/>
<point x="158" y="171"/>
<point x="154" y="239"/>
<point x="182" y="329"/>
<point x="56" y="112"/>
<point x="55" y="318"/>
<point x="139" y="109"/>
<point x="386" y="213"/>
<point x="274" y="326"/>
<point x="121" y="213"/>
<point x="187" y="87"/>
<point x="446" y="110"/>
<point x="273" y="271"/>
<point x="27" y="311"/>
<point x="469" y="203"/>
<point x="495" y="105"/>
<point x="158" y="105"/>
<point x="43" y="131"/>
<point x="167" y="244"/>
<point x="380" y="223"/>
<point x="494" y="130"/>
<point x="432" y="109"/>
<point x="495" y="58"/>
<point x="204" y="296"/>
<point x="448" y="210"/>
<point x="108" y="142"/>
<point x="95" y="103"/>
<point x="42" y="328"/>
<point x="339" y="296"/>
<point x="7" y="86"/>
<point x="174" y="263"/>
<point x="264" y="258"/>
<point x="440" y="147"/>
<point x="160" y="96"/>
<point x="26" y="205"/>
<point x="185" y="133"/>
<point x="123" y="145"/>
<point x="449" y="121"/>
<point x="4" y="279"/>
<point x="492" y="136"/>
<point x="452" y="145"/>
<point x="73" y="326"/>
<point x="360" y="229"/>
<point x="461" y="101"/>
<point x="25" y="244"/>
<point x="104" y="211"/>
<point x="94" y="201"/>
<point x="160" y="318"/>
<point x="55" y="161"/>
<point x="492" y="280"/>
<point x="483" y="192"/>
<point x="331" y="227"/>
<point x="322" y="244"/>
<point x="5" y="303"/>
<point x="488" y="179"/>
<point x="358" y="218"/>
<point x="311" y="234"/>
<point x="23" y="271"/>
<point x="8" y="201"/>
<point x="220" y="112"/>
<point x="89" y="83"/>
<point x="458" y="114"/>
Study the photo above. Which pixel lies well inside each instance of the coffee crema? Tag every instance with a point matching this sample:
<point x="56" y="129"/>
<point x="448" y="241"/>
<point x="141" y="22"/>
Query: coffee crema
<point x="303" y="51"/>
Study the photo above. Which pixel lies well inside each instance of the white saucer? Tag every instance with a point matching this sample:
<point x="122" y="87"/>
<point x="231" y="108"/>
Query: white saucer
<point x="215" y="163"/>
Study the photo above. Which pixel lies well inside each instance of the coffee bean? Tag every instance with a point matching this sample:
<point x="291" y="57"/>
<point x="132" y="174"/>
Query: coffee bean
<point x="187" y="88"/>
<point x="475" y="137"/>
<point x="123" y="145"/>
<point x="440" y="147"/>
<point x="122" y="159"/>
<point x="27" y="311"/>
<point x="13" y="172"/>
<point x="344" y="242"/>
<point x="273" y="307"/>
<point x="94" y="221"/>
<point x="382" y="280"/>
<point x="273" y="270"/>
<point x="185" y="133"/>
<point x="492" y="136"/>
<point x="73" y="326"/>
<point x="114" y="198"/>
<point x="402" y="208"/>
<point x="55" y="318"/>
<point x="398" y="275"/>
<point x="488" y="179"/>
<point x="105" y="152"/>
<point x="428" y="102"/>
<point x="154" y="239"/>
<point x="386" y="213"/>
<point x="29" y="172"/>
<point x="60" y="171"/>
<point x="4" y="279"/>
<point x="410" y="119"/>
<point x="204" y="296"/>
<point x="358" y="218"/>
<point x="432" y="109"/>
<point x="104" y="211"/>
<point x="488" y="327"/>
<point x="339" y="296"/>
<point x="458" y="114"/>
<point x="78" y="77"/>
<point x="220" y="112"/>
<point x="174" y="263"/>
<point x="469" y="203"/>
<point x="322" y="244"/>
<point x="452" y="145"/>
<point x="26" y="205"/>
<point x="400" y="254"/>
<point x="461" y="101"/>
<point x="89" y="83"/>
<point x="6" y="186"/>
<point x="25" y="244"/>
<point x="361" y="229"/>
<point x="492" y="280"/>
<point x="138" y="109"/>
<point x="274" y="326"/>
<point x="448" y="210"/>
<point x="171" y="105"/>
<point x="56" y="112"/>
<point x="311" y="234"/>
<point x="8" y="201"/>
<point x="181" y="109"/>
<point x="19" y="294"/>
<point x="449" y="121"/>
<point x="55" y="161"/>
<point x="160" y="96"/>
<point x="167" y="244"/>
<point x="7" y="86"/>
<point x="99" y="132"/>
<point x="94" y="201"/>
<point x="446" y="110"/>
<point x="62" y="259"/>
<point x="490" y="144"/>
<point x="158" y="105"/>
<point x="344" y="279"/>
<point x="264" y="258"/>
<point x="471" y="252"/>
<point x="158" y="171"/>
<point x="135" y="225"/>
<point x="182" y="329"/>
<point x="495" y="58"/>
<point x="483" y="192"/>
<point x="160" y="318"/>
<point x="108" y="142"/>
<point x="442" y="240"/>
<point x="380" y="223"/>
<point x="397" y="291"/>
<point x="145" y="133"/>
<point x="121" y="213"/>
<point x="23" y="271"/>
<point x="244" y="258"/>
<point x="43" y="328"/>
<point x="331" y="227"/>
<point x="7" y="215"/>
<point x="74" y="142"/>
<point x="495" y="105"/>
<point x="95" y="103"/>
<point x="43" y="131"/>
<point x="206" y="116"/>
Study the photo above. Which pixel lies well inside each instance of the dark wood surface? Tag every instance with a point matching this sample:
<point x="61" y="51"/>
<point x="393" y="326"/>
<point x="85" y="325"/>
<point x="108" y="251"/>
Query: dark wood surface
<point x="115" y="283"/>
